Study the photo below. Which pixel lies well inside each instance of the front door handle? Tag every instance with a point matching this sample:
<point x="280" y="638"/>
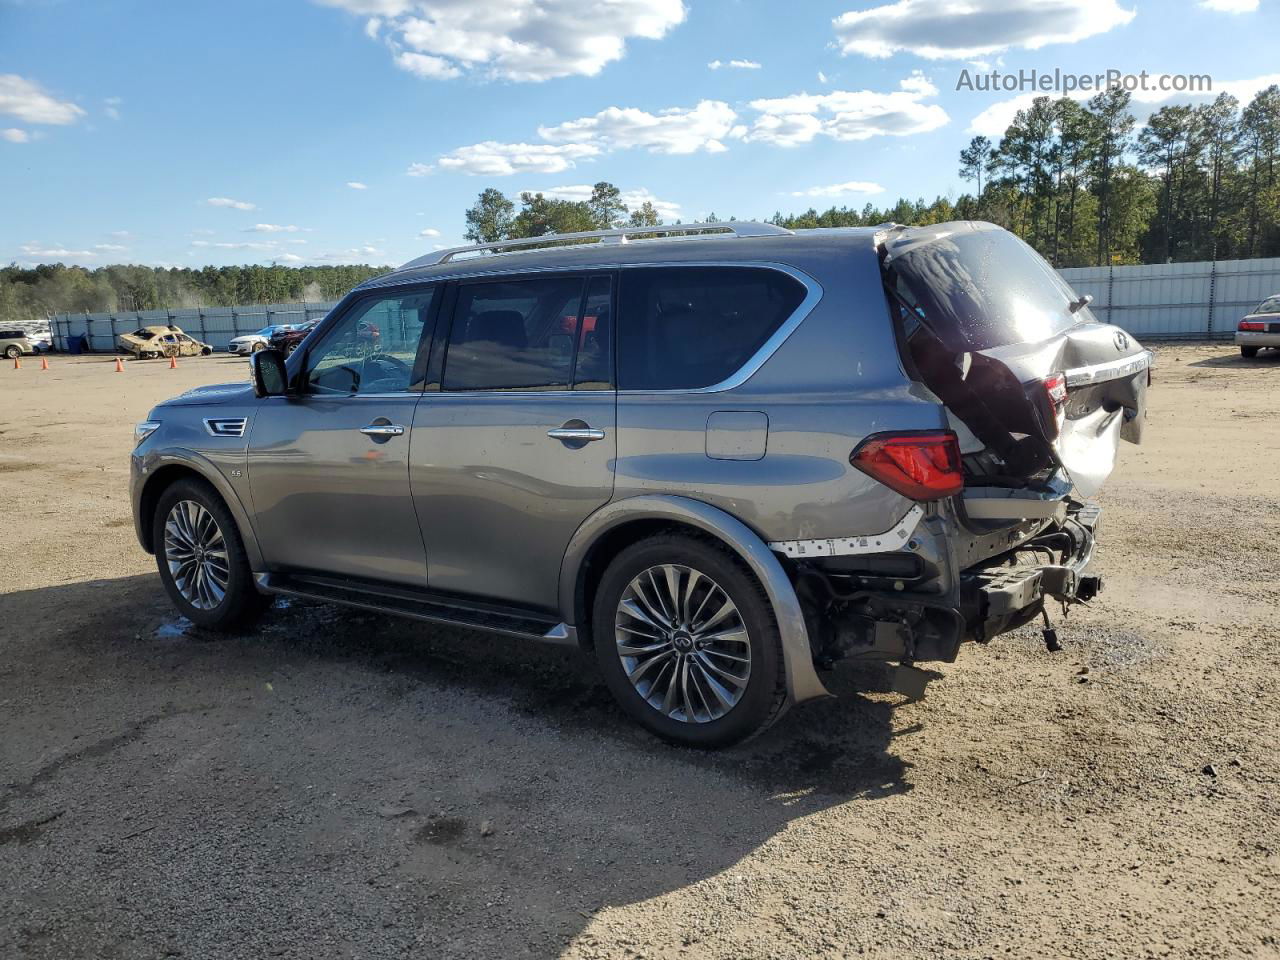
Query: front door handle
<point x="383" y="430"/>
<point x="580" y="434"/>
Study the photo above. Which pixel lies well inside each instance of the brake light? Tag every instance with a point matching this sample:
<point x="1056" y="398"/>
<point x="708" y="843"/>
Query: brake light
<point x="922" y="465"/>
<point x="1252" y="326"/>
<point x="1055" y="388"/>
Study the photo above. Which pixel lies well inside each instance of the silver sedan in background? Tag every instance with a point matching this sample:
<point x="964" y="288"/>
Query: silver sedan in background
<point x="1261" y="328"/>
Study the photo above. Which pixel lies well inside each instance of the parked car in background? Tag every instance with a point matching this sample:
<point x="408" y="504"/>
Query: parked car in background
<point x="161" y="341"/>
<point x="1260" y="329"/>
<point x="721" y="460"/>
<point x="16" y="343"/>
<point x="253" y="342"/>
<point x="288" y="341"/>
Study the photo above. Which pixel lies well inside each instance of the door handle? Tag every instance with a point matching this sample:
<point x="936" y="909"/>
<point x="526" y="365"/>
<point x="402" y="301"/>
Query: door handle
<point x="581" y="434"/>
<point x="382" y="430"/>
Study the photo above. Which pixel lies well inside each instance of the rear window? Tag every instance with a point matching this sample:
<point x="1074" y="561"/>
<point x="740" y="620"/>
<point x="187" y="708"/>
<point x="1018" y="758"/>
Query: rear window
<point x="1269" y="305"/>
<point x="681" y="328"/>
<point x="978" y="289"/>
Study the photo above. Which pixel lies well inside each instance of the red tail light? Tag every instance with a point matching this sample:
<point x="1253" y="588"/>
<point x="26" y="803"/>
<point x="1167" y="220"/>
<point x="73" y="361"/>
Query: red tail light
<point x="1252" y="326"/>
<point x="922" y="466"/>
<point x="1055" y="388"/>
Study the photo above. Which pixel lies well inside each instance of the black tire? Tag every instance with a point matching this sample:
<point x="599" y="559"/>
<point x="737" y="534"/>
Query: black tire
<point x="1248" y="352"/>
<point x="761" y="701"/>
<point x="13" y="352"/>
<point x="241" y="603"/>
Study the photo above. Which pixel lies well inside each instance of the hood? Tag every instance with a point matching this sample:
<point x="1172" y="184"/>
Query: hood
<point x="215" y="393"/>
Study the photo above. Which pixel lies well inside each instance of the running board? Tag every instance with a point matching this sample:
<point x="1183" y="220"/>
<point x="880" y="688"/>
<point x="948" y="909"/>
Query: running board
<point x="417" y="605"/>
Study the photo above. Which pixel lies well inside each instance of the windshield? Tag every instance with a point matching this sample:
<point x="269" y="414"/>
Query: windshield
<point x="1269" y="305"/>
<point x="979" y="288"/>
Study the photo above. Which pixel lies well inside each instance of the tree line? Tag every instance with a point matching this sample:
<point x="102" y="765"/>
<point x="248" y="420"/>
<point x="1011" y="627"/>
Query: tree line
<point x="1081" y="182"/>
<point x="30" y="294"/>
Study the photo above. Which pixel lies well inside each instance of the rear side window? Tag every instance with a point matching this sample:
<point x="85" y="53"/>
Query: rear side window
<point x="681" y="328"/>
<point x="514" y="335"/>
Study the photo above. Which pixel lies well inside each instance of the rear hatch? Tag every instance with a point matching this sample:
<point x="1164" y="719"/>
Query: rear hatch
<point x="1039" y="392"/>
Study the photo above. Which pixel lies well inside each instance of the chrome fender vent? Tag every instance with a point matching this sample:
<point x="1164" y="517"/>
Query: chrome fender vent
<point x="225" y="426"/>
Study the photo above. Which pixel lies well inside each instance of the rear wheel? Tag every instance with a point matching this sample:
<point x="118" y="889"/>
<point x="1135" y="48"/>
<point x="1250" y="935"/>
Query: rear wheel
<point x="13" y="352"/>
<point x="687" y="642"/>
<point x="201" y="557"/>
<point x="1248" y="352"/>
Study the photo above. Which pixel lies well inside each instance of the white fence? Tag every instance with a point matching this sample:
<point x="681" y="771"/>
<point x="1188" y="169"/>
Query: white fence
<point x="1177" y="301"/>
<point x="214" y="325"/>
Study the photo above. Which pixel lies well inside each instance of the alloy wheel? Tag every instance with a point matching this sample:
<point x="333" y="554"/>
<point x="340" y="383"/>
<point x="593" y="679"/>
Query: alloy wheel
<point x="196" y="553"/>
<point x="683" y="644"/>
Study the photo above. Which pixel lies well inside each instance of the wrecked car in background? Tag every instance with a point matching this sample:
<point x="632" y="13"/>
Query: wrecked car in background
<point x="146" y="343"/>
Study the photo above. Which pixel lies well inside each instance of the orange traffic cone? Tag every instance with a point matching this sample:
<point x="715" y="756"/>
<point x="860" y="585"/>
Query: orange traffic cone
<point x="44" y="363"/>
<point x="17" y="363"/>
<point x="173" y="363"/>
<point x="119" y="365"/>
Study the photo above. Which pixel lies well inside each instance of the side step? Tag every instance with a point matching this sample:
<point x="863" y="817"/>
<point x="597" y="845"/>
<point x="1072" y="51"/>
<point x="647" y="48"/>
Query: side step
<point x="417" y="605"/>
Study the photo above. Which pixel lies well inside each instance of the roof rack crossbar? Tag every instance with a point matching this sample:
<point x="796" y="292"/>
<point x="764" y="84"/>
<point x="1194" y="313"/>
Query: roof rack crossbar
<point x="733" y="228"/>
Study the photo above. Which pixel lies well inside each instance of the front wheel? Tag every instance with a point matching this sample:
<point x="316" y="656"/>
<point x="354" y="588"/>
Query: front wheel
<point x="201" y="558"/>
<point x="1248" y="352"/>
<point x="687" y="642"/>
<point x="257" y="346"/>
<point x="13" y="352"/>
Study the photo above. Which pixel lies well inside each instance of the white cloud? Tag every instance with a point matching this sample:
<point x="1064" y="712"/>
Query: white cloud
<point x="675" y="130"/>
<point x="995" y="119"/>
<point x="502" y="159"/>
<point x="822" y="77"/>
<point x="110" y="247"/>
<point x="520" y="40"/>
<point x="111" y="107"/>
<point x="848" y="115"/>
<point x="420" y="170"/>
<point x="360" y="254"/>
<point x="357" y="185"/>
<point x="233" y="204"/>
<point x="735" y="64"/>
<point x="1230" y="6"/>
<point x="840" y="189"/>
<point x="54" y="251"/>
<point x="14" y="135"/>
<point x="288" y="258"/>
<point x="273" y="228"/>
<point x="244" y="245"/>
<point x="947" y="29"/>
<point x="26" y="100"/>
<point x="429" y="232"/>
<point x="633" y="199"/>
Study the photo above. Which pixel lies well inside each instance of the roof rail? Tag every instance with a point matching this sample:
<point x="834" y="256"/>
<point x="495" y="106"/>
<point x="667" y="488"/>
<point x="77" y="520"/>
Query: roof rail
<point x="733" y="228"/>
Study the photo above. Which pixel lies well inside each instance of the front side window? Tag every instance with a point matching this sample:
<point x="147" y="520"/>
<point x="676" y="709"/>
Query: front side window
<point x="373" y="348"/>
<point x="682" y="328"/>
<point x="516" y="335"/>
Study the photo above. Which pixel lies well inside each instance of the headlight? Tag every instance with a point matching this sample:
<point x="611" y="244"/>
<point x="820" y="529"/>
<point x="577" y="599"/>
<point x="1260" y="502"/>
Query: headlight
<point x="143" y="430"/>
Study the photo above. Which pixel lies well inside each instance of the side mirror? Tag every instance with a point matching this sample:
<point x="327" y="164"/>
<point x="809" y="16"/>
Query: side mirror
<point x="269" y="376"/>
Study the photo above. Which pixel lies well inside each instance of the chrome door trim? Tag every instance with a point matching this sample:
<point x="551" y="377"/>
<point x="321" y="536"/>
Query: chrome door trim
<point x="585" y="434"/>
<point x="383" y="430"/>
<point x="813" y="295"/>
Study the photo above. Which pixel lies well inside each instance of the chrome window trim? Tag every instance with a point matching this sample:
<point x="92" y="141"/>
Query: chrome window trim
<point x="1112" y="369"/>
<point x="813" y="296"/>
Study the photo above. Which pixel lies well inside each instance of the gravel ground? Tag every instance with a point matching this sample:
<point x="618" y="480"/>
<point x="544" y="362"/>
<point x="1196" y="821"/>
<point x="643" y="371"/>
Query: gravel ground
<point x="336" y="784"/>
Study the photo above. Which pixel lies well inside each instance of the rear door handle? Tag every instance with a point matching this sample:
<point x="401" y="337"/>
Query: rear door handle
<point x="382" y="430"/>
<point x="582" y="434"/>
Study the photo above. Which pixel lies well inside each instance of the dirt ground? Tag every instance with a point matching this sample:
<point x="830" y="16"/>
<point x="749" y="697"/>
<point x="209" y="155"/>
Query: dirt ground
<point x="336" y="784"/>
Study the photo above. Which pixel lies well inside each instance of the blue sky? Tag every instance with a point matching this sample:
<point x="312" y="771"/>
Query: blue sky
<point x="183" y="133"/>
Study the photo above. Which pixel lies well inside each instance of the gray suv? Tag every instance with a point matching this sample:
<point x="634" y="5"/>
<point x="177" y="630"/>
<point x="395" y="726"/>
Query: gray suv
<point x="721" y="457"/>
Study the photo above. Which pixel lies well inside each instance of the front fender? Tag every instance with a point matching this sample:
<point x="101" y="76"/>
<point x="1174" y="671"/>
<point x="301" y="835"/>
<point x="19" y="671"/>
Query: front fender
<point x="146" y="465"/>
<point x="802" y="679"/>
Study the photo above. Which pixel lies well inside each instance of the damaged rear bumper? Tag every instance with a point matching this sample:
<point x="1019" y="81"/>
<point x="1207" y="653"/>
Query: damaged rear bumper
<point x="999" y="597"/>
